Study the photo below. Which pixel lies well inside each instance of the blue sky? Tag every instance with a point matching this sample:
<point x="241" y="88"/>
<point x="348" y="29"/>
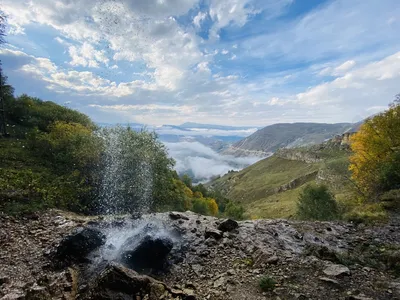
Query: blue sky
<point x="229" y="62"/>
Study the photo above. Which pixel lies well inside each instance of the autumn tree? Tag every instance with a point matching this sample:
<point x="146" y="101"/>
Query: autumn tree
<point x="375" y="163"/>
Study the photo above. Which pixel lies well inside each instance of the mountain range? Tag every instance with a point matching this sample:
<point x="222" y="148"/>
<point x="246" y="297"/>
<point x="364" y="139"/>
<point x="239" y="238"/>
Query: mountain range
<point x="264" y="142"/>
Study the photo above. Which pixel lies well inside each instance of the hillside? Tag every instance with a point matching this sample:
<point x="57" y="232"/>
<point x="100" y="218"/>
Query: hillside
<point x="270" y="187"/>
<point x="269" y="139"/>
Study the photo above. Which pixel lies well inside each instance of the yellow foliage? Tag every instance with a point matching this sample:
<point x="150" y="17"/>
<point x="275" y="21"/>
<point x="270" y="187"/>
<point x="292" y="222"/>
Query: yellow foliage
<point x="373" y="146"/>
<point x="188" y="192"/>
<point x="212" y="206"/>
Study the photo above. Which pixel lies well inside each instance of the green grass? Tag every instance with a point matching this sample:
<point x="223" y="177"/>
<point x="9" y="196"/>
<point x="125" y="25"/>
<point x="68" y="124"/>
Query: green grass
<point x="255" y="186"/>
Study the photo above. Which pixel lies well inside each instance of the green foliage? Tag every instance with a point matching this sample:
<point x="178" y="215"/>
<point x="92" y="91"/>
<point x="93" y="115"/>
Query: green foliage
<point x="142" y="164"/>
<point x="234" y="211"/>
<point x="32" y="112"/>
<point x="187" y="180"/>
<point x="267" y="283"/>
<point x="317" y="203"/>
<point x="368" y="213"/>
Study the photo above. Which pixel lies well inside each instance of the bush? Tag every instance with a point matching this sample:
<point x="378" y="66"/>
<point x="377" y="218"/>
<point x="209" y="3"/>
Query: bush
<point x="267" y="283"/>
<point x="317" y="203"/>
<point x="234" y="211"/>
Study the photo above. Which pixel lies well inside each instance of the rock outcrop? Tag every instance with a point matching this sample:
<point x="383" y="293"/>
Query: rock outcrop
<point x="304" y="260"/>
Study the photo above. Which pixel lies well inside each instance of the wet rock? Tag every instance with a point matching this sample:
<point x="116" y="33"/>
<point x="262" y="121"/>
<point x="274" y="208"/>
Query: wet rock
<point x="79" y="244"/>
<point x="336" y="270"/>
<point x="214" y="233"/>
<point x="151" y="253"/>
<point x="228" y="225"/>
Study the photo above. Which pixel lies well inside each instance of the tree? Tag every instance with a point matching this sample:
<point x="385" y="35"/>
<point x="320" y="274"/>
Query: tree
<point x="376" y="152"/>
<point x="317" y="203"/>
<point x="187" y="180"/>
<point x="137" y="173"/>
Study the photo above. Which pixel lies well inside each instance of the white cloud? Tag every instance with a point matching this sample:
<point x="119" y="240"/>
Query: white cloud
<point x="199" y="18"/>
<point x="87" y="56"/>
<point x="203" y="162"/>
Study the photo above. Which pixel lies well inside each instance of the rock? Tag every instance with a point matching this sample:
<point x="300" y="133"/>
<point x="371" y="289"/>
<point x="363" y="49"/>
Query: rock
<point x="4" y="280"/>
<point x="197" y="269"/>
<point x="119" y="282"/>
<point x="37" y="292"/>
<point x="176" y="216"/>
<point x="359" y="297"/>
<point x="14" y="295"/>
<point x="151" y="253"/>
<point x="216" y="234"/>
<point x="336" y="270"/>
<point x="228" y="225"/>
<point x="273" y="260"/>
<point x="329" y="280"/>
<point x="79" y="244"/>
<point x="219" y="282"/>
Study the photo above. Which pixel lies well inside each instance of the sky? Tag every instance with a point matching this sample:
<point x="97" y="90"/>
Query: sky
<point x="227" y="62"/>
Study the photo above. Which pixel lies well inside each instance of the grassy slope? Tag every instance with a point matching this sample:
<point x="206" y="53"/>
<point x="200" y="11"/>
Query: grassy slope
<point x="252" y="186"/>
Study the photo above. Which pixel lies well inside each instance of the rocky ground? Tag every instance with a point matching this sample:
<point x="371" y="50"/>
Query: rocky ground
<point x="208" y="258"/>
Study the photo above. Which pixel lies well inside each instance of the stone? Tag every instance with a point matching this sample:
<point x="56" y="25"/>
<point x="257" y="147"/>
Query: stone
<point x="273" y="260"/>
<point x="14" y="295"/>
<point x="329" y="280"/>
<point x="37" y="292"/>
<point x="336" y="270"/>
<point x="228" y="225"/>
<point x="151" y="253"/>
<point x="219" y="282"/>
<point x="177" y="216"/>
<point x="119" y="282"/>
<point x="216" y="234"/>
<point x="79" y="244"/>
<point x="4" y="280"/>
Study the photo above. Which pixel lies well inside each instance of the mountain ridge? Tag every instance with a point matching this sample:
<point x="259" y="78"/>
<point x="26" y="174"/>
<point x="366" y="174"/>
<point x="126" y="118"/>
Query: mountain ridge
<point x="264" y="142"/>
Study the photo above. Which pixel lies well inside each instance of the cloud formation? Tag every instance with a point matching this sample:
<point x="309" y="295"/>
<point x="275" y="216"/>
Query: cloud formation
<point x="203" y="163"/>
<point x="221" y="61"/>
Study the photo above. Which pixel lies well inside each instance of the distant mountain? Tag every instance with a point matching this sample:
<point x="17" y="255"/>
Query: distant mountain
<point x="211" y="126"/>
<point x="267" y="140"/>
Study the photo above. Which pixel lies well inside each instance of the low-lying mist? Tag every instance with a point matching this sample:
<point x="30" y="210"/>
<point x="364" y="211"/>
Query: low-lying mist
<point x="202" y="163"/>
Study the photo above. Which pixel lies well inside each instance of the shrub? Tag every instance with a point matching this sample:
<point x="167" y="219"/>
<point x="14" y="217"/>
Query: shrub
<point x="267" y="283"/>
<point x="317" y="203"/>
<point x="234" y="211"/>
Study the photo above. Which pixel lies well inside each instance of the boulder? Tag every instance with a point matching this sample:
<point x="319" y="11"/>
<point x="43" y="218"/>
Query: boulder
<point x="336" y="270"/>
<point x="228" y="225"/>
<point x="76" y="246"/>
<point x="216" y="234"/>
<point x="119" y="282"/>
<point x="151" y="253"/>
<point x="177" y="216"/>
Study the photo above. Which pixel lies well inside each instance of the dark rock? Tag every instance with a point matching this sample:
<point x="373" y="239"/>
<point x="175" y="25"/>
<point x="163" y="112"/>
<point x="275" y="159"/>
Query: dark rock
<point x="119" y="282"/>
<point x="151" y="253"/>
<point x="79" y="244"/>
<point x="216" y="234"/>
<point x="177" y="216"/>
<point x="228" y="225"/>
<point x="4" y="279"/>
